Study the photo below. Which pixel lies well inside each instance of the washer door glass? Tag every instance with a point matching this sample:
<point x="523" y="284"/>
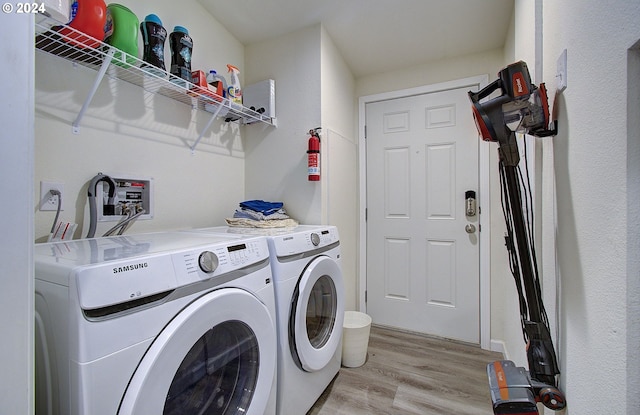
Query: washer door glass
<point x="317" y="314"/>
<point x="216" y="356"/>
<point x="218" y="375"/>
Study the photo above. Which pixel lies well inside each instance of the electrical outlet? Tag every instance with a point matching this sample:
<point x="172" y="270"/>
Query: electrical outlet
<point x="49" y="201"/>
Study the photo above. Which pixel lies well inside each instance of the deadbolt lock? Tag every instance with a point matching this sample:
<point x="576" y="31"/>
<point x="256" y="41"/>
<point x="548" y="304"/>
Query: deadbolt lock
<point x="470" y="203"/>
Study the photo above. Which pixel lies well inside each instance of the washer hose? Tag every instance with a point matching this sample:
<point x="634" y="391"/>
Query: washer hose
<point x="109" y="208"/>
<point x="124" y="223"/>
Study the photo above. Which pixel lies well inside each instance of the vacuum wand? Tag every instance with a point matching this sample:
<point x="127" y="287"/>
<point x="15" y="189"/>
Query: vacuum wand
<point x="540" y="353"/>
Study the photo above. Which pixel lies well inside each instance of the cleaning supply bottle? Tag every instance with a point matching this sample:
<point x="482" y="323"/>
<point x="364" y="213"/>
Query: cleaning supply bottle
<point x="181" y="46"/>
<point x="218" y="86"/>
<point x="234" y="91"/>
<point x="153" y="38"/>
<point x="88" y="17"/>
<point x="121" y="32"/>
<point x="217" y="83"/>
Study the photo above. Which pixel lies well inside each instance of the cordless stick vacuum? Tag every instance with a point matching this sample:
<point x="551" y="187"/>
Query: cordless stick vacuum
<point x="520" y="107"/>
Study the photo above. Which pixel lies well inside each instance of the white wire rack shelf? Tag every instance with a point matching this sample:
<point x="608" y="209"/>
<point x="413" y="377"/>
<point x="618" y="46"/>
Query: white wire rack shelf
<point x="68" y="43"/>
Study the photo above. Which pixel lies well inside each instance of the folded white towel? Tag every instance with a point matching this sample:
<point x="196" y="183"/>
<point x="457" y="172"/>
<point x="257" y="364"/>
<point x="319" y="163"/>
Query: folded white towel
<point x="271" y="223"/>
<point x="252" y="214"/>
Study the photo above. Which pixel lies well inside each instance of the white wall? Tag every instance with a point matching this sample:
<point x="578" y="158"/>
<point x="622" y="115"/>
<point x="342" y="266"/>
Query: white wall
<point x="596" y="178"/>
<point x="127" y="131"/>
<point x="16" y="169"/>
<point x="314" y="88"/>
<point x="432" y="73"/>
<point x="340" y="159"/>
<point x="276" y="158"/>
<point x="633" y="228"/>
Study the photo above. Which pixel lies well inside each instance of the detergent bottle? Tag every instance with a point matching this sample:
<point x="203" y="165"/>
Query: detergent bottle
<point x="153" y="38"/>
<point x="88" y="17"/>
<point x="234" y="91"/>
<point x="181" y="46"/>
<point x="121" y="32"/>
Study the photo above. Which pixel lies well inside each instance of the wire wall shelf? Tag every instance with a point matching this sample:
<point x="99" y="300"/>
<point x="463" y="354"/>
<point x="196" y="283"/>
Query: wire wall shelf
<point x="68" y="43"/>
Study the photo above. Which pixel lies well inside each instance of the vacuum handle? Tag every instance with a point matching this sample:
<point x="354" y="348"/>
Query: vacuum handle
<point x="486" y="91"/>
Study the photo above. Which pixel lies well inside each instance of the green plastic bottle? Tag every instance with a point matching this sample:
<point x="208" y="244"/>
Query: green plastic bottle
<point x="121" y="32"/>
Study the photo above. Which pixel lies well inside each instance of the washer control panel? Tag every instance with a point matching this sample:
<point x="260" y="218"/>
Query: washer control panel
<point x="196" y="265"/>
<point x="208" y="261"/>
<point x="114" y="270"/>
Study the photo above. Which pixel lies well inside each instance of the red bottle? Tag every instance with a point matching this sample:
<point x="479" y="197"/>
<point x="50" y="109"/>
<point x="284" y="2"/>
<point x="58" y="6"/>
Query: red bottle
<point x="88" y="17"/>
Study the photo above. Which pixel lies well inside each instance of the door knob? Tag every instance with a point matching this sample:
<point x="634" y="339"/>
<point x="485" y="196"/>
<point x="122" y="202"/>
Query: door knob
<point x="470" y="228"/>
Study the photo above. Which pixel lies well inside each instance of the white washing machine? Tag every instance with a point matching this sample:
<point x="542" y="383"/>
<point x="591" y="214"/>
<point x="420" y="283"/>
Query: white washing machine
<point x="309" y="306"/>
<point x="160" y="323"/>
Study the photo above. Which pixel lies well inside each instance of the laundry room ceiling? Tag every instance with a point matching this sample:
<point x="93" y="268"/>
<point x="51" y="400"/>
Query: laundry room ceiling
<point x="375" y="36"/>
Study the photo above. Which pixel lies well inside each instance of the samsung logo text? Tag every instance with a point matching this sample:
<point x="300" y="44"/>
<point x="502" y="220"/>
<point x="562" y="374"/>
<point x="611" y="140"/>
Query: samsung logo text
<point x="131" y="267"/>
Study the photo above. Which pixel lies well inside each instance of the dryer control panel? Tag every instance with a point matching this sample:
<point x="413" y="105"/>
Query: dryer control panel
<point x="301" y="242"/>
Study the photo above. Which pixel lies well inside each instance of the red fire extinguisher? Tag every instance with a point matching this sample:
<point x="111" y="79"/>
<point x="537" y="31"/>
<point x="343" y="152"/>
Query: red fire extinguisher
<point x="313" y="155"/>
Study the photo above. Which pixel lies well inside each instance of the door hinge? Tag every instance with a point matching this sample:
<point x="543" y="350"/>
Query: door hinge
<point x="365" y="296"/>
<point x="366" y="214"/>
<point x="365" y="132"/>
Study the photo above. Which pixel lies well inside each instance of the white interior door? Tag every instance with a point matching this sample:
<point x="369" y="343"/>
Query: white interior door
<point x="422" y="247"/>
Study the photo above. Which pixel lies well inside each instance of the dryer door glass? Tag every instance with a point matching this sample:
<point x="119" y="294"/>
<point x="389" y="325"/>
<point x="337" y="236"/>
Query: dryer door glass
<point x="321" y="311"/>
<point x="317" y="313"/>
<point x="218" y="375"/>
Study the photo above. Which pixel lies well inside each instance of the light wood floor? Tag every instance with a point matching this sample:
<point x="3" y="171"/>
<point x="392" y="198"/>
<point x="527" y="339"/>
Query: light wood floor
<point x="411" y="374"/>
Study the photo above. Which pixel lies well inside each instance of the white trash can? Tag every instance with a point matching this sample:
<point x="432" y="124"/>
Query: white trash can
<point x="355" y="338"/>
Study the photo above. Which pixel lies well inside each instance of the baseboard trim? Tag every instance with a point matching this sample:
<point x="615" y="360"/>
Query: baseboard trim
<point x="500" y="347"/>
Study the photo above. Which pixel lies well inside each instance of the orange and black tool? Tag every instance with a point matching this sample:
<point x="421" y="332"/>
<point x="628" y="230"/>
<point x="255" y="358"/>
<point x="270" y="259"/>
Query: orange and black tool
<point x="520" y="107"/>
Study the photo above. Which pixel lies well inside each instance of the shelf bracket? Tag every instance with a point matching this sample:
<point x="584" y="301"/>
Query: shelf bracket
<point x="206" y="127"/>
<point x="75" y="127"/>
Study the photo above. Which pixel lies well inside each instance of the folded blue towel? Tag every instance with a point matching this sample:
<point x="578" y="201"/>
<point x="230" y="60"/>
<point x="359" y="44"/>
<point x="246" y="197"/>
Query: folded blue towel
<point x="261" y="206"/>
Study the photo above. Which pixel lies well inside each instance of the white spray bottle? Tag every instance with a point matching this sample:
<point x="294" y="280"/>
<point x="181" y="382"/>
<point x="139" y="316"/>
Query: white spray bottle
<point x="234" y="91"/>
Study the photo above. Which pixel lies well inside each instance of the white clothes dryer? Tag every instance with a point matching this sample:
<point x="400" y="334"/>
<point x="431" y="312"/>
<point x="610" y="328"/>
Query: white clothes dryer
<point x="309" y="306"/>
<point x="159" y="323"/>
